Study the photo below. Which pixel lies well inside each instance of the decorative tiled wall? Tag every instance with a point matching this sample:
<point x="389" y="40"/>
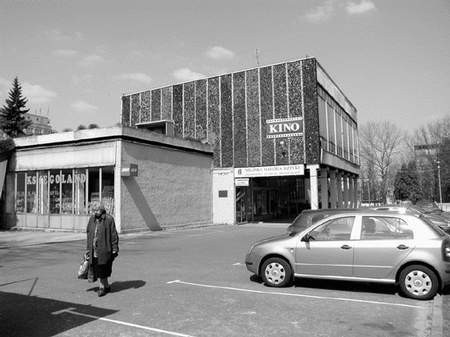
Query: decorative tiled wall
<point x="230" y="112"/>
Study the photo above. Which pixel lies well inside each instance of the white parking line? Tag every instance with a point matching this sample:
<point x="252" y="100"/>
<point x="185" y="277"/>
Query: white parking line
<point x="71" y="311"/>
<point x="297" y="295"/>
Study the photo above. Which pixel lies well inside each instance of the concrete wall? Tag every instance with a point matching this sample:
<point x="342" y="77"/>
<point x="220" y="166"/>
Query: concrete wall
<point x="173" y="187"/>
<point x="224" y="197"/>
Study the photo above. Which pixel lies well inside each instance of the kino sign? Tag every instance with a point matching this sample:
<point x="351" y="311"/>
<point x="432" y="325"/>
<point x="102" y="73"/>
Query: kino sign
<point x="284" y="127"/>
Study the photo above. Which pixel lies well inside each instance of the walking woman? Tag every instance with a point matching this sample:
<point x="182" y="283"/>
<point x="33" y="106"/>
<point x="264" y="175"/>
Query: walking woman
<point x="102" y="248"/>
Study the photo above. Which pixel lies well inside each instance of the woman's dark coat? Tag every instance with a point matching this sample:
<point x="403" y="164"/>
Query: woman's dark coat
<point x="107" y="239"/>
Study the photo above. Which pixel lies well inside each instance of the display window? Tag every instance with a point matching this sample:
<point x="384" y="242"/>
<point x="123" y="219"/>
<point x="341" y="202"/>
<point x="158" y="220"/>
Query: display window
<point x="66" y="191"/>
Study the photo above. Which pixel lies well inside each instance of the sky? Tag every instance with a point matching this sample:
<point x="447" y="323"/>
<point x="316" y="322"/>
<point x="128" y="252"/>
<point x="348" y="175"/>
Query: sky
<point x="75" y="59"/>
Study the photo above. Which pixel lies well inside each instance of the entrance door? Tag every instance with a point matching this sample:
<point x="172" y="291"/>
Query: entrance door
<point x="329" y="252"/>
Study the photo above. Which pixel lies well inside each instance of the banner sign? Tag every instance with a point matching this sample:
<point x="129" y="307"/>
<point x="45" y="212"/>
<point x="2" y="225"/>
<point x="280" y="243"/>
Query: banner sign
<point x="284" y="127"/>
<point x="241" y="181"/>
<point x="269" y="171"/>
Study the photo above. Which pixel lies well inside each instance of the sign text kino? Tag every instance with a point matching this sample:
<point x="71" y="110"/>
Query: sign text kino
<point x="284" y="127"/>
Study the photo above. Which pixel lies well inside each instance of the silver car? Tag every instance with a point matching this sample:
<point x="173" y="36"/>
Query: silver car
<point x="357" y="245"/>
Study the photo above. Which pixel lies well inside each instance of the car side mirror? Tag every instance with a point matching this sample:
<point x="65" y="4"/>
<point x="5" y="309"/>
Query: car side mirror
<point x="306" y="238"/>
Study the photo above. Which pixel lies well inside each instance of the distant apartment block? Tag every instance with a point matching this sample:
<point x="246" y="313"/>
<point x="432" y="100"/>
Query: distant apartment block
<point x="40" y="125"/>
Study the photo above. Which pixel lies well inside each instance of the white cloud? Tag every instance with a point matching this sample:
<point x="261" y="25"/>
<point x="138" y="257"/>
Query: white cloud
<point x="91" y="60"/>
<point x="219" y="53"/>
<point x="83" y="107"/>
<point x="138" y="77"/>
<point x="186" y="74"/>
<point x="57" y="35"/>
<point x="37" y="94"/>
<point x="322" y="12"/>
<point x="359" y="8"/>
<point x="65" y="52"/>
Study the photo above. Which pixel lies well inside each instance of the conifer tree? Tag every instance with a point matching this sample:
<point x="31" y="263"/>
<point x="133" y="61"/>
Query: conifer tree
<point x="12" y="120"/>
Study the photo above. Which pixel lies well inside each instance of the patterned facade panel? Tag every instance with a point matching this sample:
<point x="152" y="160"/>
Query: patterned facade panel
<point x="135" y="109"/>
<point x="126" y="110"/>
<point x="280" y="100"/>
<point x="311" y="117"/>
<point x="226" y="120"/>
<point x="145" y="106"/>
<point x="297" y="152"/>
<point x="214" y="118"/>
<point x="189" y="110"/>
<point x="177" y="104"/>
<point x="266" y="113"/>
<point x="240" y="134"/>
<point x="166" y="103"/>
<point x="200" y="110"/>
<point x="156" y="105"/>
<point x="295" y="88"/>
<point x="253" y="118"/>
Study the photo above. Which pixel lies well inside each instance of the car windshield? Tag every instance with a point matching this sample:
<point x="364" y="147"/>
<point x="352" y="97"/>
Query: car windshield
<point x="305" y="220"/>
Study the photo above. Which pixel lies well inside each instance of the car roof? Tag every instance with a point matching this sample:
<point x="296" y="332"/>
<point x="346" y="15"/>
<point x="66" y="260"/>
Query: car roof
<point x="365" y="210"/>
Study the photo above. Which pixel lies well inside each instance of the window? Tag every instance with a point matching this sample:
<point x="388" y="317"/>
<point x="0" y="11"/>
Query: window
<point x="67" y="191"/>
<point x="79" y="181"/>
<point x="331" y="130"/>
<point x="20" y="194"/>
<point x="31" y="187"/>
<point x="334" y="230"/>
<point x="385" y="228"/>
<point x="323" y="123"/>
<point x="55" y="202"/>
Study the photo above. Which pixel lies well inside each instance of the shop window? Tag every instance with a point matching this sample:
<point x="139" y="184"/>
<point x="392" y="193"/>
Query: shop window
<point x="31" y="186"/>
<point x="79" y="181"/>
<point x="20" y="193"/>
<point x="43" y="192"/>
<point x="66" y="191"/>
<point x="55" y="192"/>
<point x="108" y="189"/>
<point x="93" y="188"/>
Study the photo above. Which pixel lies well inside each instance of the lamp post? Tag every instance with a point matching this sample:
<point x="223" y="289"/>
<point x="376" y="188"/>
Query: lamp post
<point x="439" y="181"/>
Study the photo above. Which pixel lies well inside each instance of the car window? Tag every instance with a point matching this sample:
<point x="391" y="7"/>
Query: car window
<point x="385" y="228"/>
<point x="334" y="230"/>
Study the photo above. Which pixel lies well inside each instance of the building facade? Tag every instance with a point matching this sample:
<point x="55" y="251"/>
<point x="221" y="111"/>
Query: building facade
<point x="40" y="125"/>
<point x="146" y="180"/>
<point x="284" y="136"/>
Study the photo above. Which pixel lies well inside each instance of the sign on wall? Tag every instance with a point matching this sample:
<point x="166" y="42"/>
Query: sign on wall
<point x="130" y="170"/>
<point x="241" y="182"/>
<point x="284" y="127"/>
<point x="269" y="171"/>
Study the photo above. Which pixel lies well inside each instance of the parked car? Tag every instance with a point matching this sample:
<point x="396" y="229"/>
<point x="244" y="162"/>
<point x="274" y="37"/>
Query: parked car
<point x="357" y="245"/>
<point x="436" y="217"/>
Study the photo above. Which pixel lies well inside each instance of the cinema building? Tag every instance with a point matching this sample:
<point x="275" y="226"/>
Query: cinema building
<point x="284" y="137"/>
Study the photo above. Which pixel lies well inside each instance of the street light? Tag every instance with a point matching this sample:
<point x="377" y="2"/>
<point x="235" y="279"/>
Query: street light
<point x="439" y="181"/>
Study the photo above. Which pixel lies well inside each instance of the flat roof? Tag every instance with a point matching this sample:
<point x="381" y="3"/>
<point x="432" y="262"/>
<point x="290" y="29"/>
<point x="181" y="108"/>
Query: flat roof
<point x="111" y="133"/>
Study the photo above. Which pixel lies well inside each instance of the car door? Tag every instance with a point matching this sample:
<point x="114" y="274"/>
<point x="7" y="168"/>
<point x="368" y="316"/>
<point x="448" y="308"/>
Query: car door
<point x="329" y="251"/>
<point x="385" y="241"/>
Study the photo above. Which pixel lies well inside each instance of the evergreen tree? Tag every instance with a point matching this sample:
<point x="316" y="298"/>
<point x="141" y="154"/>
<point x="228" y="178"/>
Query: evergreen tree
<point x="406" y="184"/>
<point x="12" y="120"/>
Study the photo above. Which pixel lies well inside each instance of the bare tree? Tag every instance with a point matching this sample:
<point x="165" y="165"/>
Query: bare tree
<point x="380" y="145"/>
<point x="425" y="146"/>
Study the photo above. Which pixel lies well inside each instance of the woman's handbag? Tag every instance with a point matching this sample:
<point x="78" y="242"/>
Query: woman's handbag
<point x="83" y="269"/>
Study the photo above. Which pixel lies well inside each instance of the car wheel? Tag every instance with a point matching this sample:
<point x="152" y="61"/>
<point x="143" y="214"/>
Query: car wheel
<point x="418" y="282"/>
<point x="276" y="272"/>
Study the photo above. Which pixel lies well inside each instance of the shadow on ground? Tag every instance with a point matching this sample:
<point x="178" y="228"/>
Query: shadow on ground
<point x="360" y="287"/>
<point x="122" y="285"/>
<point x="25" y="316"/>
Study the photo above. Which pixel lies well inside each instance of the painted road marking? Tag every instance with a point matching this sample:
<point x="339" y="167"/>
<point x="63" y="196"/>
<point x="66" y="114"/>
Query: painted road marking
<point x="71" y="311"/>
<point x="297" y="295"/>
<point x="237" y="264"/>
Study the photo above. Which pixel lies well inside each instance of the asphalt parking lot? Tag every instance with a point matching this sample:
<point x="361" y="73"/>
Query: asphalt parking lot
<point x="194" y="282"/>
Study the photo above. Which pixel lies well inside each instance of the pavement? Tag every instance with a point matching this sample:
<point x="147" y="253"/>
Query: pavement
<point x="437" y="320"/>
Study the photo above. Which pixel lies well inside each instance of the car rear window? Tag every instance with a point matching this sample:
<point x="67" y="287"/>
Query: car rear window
<point x="438" y="230"/>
